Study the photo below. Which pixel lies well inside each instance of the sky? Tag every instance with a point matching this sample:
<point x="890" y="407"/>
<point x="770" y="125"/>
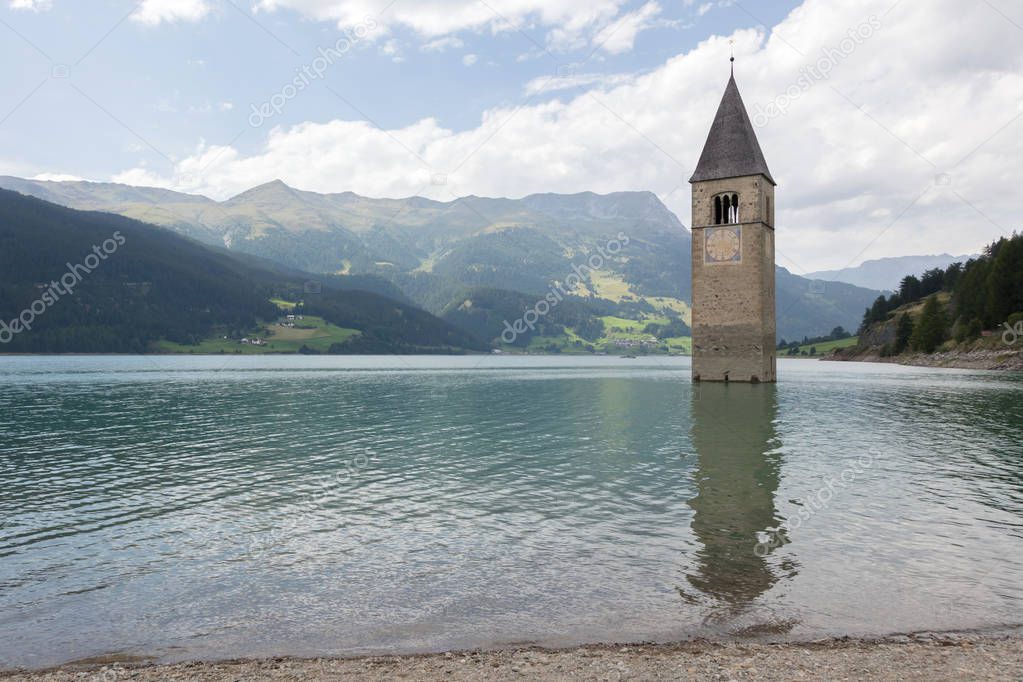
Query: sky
<point x="893" y="127"/>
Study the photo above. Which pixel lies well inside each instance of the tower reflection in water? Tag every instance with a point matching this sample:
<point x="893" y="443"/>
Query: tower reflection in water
<point x="737" y="474"/>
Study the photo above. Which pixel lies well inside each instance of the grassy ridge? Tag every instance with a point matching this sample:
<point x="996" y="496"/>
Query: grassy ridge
<point x="611" y="286"/>
<point x="828" y="346"/>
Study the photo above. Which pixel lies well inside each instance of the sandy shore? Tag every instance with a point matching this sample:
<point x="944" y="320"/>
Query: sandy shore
<point x="916" y="657"/>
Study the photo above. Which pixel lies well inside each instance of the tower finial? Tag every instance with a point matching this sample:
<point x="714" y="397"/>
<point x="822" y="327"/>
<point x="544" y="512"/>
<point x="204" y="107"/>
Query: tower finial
<point x="732" y="58"/>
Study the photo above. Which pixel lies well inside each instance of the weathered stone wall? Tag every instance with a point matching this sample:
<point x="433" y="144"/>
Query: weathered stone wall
<point x="734" y="302"/>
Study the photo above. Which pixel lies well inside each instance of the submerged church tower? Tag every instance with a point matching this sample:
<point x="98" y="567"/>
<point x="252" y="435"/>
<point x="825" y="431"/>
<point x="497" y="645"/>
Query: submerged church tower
<point x="733" y="252"/>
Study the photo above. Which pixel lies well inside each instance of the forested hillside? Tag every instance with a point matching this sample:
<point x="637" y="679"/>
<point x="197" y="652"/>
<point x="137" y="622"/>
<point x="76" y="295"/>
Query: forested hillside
<point x="437" y="252"/>
<point x="968" y="305"/>
<point x="75" y="281"/>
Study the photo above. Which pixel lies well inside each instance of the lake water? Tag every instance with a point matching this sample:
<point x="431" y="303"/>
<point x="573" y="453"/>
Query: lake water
<point x="183" y="507"/>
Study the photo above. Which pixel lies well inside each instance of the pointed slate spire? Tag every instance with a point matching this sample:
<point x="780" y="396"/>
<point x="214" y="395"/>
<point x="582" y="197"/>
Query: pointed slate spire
<point x="732" y="149"/>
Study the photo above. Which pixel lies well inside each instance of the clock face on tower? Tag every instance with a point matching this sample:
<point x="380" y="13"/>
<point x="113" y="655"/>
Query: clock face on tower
<point x="722" y="244"/>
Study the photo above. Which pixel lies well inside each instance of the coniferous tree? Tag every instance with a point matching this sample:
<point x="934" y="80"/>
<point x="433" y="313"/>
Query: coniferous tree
<point x="909" y="288"/>
<point x="903" y="333"/>
<point x="932" y="282"/>
<point x="952" y="274"/>
<point x="931" y="329"/>
<point x="1005" y="281"/>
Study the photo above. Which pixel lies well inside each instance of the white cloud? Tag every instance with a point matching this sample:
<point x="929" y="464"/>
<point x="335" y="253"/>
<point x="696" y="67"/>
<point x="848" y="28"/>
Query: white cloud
<point x="566" y="20"/>
<point x="154" y="12"/>
<point x="32" y="5"/>
<point x="204" y="108"/>
<point x="620" y="35"/>
<point x="857" y="155"/>
<point x="469" y="59"/>
<point x="529" y="55"/>
<point x="392" y="49"/>
<point x="441" y="44"/>
<point x="549" y="84"/>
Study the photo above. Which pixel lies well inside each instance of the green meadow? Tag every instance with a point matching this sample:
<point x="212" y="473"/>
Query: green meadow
<point x="312" y="332"/>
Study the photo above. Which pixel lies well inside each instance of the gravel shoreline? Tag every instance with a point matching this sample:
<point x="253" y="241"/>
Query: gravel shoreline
<point x="987" y="359"/>
<point x="915" y="657"/>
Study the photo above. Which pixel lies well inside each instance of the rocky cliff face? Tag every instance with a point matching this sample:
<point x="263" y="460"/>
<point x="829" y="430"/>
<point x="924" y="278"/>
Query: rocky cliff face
<point x="878" y="335"/>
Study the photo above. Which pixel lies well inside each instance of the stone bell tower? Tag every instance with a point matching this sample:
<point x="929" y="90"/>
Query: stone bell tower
<point x="733" y="252"/>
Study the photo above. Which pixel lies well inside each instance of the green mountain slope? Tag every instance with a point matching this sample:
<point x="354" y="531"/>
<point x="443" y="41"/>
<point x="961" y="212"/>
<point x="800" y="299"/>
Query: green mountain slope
<point x="94" y="282"/>
<point x="435" y="251"/>
<point x="556" y="323"/>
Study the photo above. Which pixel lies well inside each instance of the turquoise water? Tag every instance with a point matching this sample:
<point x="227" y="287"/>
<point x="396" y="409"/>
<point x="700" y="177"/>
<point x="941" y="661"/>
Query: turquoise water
<point x="177" y="507"/>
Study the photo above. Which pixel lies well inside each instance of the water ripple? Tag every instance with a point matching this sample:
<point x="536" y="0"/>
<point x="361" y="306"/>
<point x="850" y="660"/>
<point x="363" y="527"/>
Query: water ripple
<point x="248" y="506"/>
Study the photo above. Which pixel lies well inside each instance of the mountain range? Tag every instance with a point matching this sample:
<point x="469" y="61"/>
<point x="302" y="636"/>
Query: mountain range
<point x="886" y="273"/>
<point x="472" y="252"/>
<point x="76" y="281"/>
